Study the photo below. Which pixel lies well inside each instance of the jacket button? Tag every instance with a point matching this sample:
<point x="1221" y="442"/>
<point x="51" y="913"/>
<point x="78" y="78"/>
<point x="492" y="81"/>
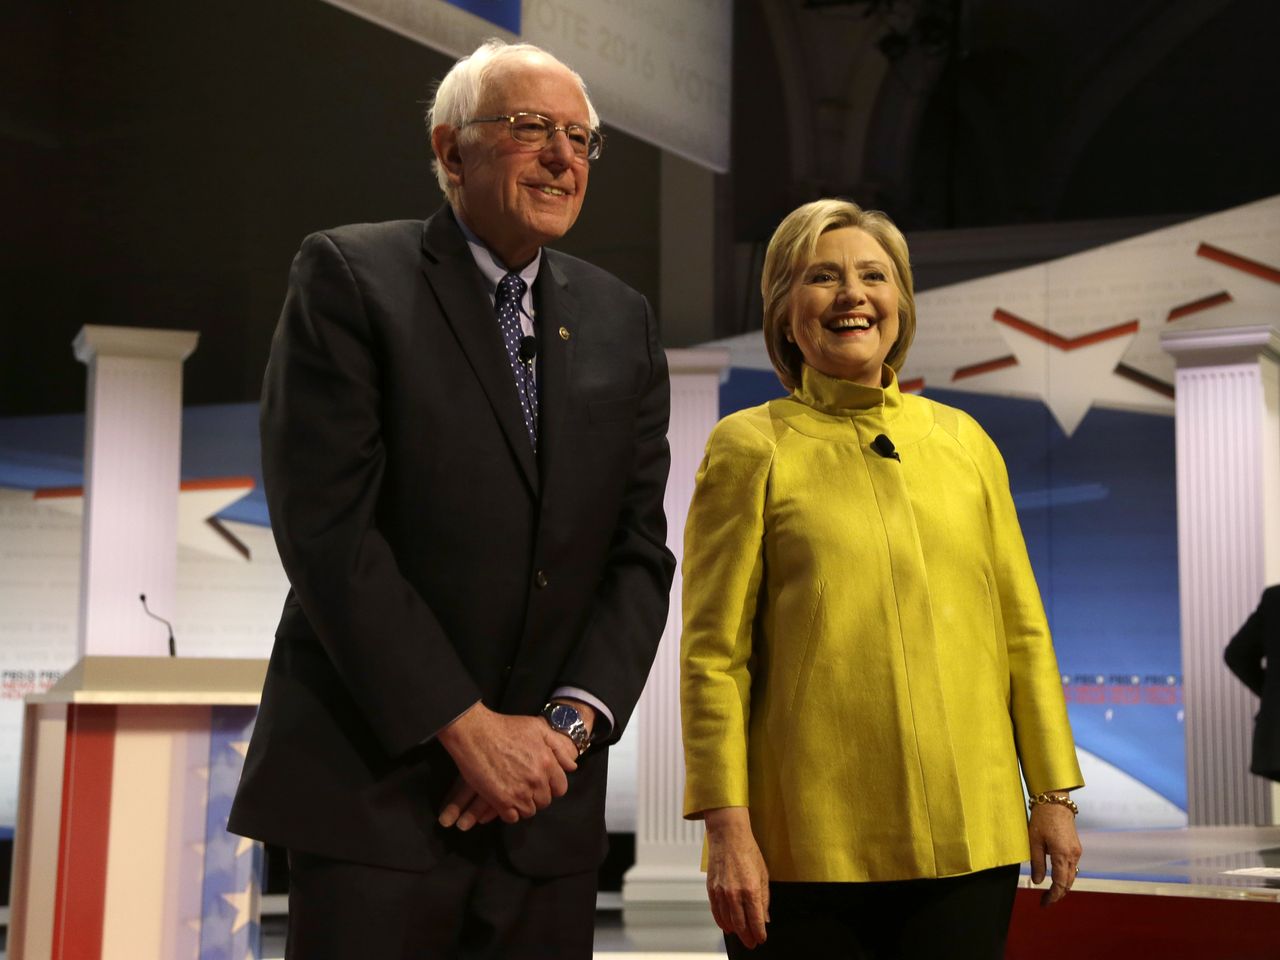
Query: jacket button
<point x="540" y="579"/>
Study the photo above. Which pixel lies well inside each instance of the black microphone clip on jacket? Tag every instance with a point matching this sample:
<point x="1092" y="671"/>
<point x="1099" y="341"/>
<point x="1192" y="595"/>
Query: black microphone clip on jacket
<point x="528" y="348"/>
<point x="884" y="446"/>
<point x="173" y="652"/>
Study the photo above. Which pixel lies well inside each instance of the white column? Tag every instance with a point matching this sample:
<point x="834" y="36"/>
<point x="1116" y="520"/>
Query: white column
<point x="666" y="884"/>
<point x="1228" y="464"/>
<point x="133" y="437"/>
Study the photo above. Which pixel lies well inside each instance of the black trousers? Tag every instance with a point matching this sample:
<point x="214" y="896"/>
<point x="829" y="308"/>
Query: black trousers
<point x="471" y="906"/>
<point x="961" y="918"/>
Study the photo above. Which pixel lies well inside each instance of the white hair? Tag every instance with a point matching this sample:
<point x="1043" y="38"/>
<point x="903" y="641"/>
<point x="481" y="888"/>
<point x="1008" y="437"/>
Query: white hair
<point x="458" y="95"/>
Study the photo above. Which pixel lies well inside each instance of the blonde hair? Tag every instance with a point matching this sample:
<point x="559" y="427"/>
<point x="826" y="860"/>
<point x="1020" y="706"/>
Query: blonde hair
<point x="792" y="246"/>
<point x="458" y="94"/>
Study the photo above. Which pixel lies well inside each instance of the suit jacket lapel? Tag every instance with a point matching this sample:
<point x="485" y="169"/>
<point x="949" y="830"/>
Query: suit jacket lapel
<point x="453" y="275"/>
<point x="556" y="310"/>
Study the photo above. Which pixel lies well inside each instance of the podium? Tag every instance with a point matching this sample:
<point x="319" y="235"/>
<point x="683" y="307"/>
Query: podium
<point x="128" y="768"/>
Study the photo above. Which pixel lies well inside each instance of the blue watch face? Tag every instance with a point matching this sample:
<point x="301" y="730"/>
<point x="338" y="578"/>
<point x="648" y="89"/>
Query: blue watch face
<point x="564" y="715"/>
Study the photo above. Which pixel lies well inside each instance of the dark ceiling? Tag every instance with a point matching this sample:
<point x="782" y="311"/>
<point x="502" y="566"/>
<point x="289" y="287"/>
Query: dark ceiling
<point x="159" y="162"/>
<point x="992" y="112"/>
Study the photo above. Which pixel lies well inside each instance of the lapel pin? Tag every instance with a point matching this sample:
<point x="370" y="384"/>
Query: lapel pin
<point x="564" y="333"/>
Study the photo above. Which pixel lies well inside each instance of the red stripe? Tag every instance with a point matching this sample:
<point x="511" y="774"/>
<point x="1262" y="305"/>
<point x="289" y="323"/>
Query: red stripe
<point x="912" y="386"/>
<point x="1195" y="306"/>
<point x="219" y="483"/>
<point x="1145" y="380"/>
<point x="1237" y="262"/>
<point x="1063" y="343"/>
<point x="215" y="483"/>
<point x="55" y="493"/>
<point x="985" y="367"/>
<point x="82" y="846"/>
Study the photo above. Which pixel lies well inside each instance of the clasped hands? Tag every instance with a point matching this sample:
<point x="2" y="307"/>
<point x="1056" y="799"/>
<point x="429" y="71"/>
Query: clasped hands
<point x="509" y="767"/>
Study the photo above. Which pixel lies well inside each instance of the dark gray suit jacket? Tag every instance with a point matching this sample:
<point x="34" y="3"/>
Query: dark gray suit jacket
<point x="434" y="559"/>
<point x="1259" y="640"/>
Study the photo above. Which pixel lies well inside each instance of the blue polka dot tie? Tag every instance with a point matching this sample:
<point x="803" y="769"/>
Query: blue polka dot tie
<point x="510" y="292"/>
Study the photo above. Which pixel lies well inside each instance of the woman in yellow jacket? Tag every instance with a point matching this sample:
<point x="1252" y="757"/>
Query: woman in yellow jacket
<point x="865" y="661"/>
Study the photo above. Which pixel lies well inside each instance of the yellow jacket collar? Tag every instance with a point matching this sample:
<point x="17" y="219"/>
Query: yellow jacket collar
<point x="843" y="398"/>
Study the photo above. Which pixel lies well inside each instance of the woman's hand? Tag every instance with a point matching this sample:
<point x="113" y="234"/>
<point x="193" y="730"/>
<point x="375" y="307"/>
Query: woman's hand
<point x="1052" y="832"/>
<point x="737" y="879"/>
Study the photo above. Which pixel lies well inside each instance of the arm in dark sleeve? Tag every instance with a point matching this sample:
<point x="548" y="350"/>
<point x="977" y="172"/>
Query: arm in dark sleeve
<point x="323" y="461"/>
<point x="1245" y="652"/>
<point x="613" y="657"/>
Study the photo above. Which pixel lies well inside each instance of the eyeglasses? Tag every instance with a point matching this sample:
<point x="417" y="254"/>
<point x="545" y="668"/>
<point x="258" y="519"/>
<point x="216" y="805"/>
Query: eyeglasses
<point x="537" y="130"/>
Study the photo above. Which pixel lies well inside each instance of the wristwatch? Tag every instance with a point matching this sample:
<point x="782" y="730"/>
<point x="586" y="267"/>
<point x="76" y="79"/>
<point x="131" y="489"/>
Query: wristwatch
<point x="567" y="719"/>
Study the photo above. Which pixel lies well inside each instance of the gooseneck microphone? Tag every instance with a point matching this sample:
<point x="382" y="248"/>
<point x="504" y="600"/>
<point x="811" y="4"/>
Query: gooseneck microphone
<point x="528" y="348"/>
<point x="884" y="446"/>
<point x="147" y="610"/>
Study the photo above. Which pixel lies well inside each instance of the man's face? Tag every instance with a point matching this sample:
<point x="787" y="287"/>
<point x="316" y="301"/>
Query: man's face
<point x="517" y="196"/>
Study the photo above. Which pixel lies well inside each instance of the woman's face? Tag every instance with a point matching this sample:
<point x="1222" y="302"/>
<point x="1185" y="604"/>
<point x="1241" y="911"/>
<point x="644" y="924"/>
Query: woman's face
<point x="843" y="308"/>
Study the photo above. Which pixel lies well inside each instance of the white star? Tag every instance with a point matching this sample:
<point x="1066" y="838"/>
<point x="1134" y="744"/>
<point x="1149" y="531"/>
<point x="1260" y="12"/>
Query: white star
<point x="242" y="903"/>
<point x="1066" y="379"/>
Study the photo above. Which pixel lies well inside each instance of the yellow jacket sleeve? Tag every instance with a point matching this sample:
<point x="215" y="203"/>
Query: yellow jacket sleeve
<point x="723" y="561"/>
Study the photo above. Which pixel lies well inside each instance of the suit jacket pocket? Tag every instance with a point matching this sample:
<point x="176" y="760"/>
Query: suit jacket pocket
<point x="611" y="411"/>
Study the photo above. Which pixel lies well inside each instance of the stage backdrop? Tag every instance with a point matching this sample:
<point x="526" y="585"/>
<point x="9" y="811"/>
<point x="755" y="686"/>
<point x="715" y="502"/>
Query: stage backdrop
<point x="1060" y="363"/>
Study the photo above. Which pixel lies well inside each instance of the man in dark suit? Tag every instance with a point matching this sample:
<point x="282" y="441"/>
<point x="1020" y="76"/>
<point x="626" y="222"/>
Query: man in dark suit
<point x="1258" y="641"/>
<point x="464" y="447"/>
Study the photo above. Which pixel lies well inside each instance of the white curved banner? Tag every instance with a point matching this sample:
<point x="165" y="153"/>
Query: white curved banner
<point x="658" y="69"/>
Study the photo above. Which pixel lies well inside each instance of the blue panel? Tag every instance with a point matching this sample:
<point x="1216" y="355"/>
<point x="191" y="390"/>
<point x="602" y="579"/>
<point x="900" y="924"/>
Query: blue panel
<point x="40" y="452"/>
<point x="1146" y="740"/>
<point x="230" y="928"/>
<point x="221" y="440"/>
<point x="747" y="388"/>
<point x="503" y="13"/>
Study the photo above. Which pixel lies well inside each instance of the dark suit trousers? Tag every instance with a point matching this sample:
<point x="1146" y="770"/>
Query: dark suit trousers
<point x="470" y="906"/>
<point x="961" y="918"/>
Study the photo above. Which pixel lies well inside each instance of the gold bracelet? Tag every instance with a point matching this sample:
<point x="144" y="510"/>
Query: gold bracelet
<point x="1063" y="800"/>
